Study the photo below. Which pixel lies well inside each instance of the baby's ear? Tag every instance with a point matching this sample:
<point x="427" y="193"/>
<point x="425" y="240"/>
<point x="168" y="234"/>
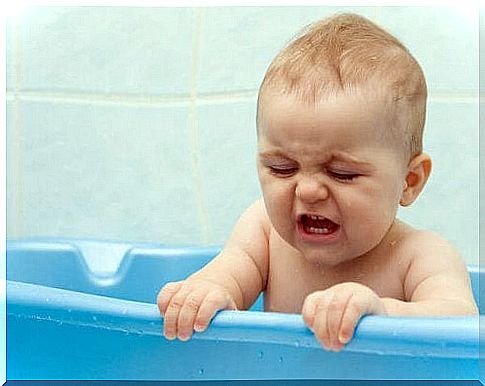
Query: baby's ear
<point x="419" y="169"/>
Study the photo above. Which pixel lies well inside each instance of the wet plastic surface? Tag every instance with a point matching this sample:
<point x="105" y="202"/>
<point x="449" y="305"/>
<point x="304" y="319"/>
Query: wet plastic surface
<point x="85" y="309"/>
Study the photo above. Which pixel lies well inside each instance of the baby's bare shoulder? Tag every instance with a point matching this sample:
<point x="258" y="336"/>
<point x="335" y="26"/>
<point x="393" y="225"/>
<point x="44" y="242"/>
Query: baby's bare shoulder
<point x="257" y="211"/>
<point x="433" y="263"/>
<point x="426" y="244"/>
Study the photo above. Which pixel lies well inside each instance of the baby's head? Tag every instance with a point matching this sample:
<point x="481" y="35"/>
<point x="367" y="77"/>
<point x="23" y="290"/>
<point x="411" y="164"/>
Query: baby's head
<point x="348" y="55"/>
<point x="340" y="120"/>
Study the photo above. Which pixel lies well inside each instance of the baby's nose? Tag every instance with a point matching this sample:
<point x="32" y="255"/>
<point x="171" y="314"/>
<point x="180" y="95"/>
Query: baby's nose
<point x="311" y="190"/>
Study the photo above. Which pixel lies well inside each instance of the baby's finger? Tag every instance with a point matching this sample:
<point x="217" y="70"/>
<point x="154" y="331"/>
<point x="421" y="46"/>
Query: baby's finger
<point x="334" y="318"/>
<point x="166" y="294"/>
<point x="352" y="314"/>
<point x="320" y="325"/>
<point x="170" y="319"/>
<point x="309" y="308"/>
<point x="188" y="312"/>
<point x="213" y="302"/>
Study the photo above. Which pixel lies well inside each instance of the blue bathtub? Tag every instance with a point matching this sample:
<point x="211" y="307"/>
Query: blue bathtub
<point x="85" y="309"/>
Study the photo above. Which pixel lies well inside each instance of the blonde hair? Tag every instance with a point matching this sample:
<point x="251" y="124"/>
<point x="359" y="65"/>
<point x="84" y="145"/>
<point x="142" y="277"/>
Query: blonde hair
<point x="346" y="53"/>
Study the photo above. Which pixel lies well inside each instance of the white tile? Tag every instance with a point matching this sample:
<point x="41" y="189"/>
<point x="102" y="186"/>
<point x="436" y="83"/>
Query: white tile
<point x="227" y="137"/>
<point x="107" y="49"/>
<point x="444" y="40"/>
<point x="238" y="43"/>
<point x="450" y="201"/>
<point x="114" y="172"/>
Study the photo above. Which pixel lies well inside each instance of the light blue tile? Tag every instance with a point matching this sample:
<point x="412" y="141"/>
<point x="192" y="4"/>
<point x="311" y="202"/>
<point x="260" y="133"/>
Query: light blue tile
<point x="106" y="171"/>
<point x="107" y="49"/>
<point x="481" y="38"/>
<point x="238" y="43"/>
<point x="227" y="143"/>
<point x="11" y="176"/>
<point x="444" y="40"/>
<point x="450" y="201"/>
<point x="9" y="58"/>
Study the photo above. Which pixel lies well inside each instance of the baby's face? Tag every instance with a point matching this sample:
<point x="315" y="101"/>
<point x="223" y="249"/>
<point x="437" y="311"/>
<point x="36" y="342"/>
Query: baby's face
<point x="331" y="183"/>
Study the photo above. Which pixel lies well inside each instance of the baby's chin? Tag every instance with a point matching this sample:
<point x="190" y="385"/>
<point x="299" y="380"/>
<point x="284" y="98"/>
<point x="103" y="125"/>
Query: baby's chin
<point x="322" y="257"/>
<point x="328" y="256"/>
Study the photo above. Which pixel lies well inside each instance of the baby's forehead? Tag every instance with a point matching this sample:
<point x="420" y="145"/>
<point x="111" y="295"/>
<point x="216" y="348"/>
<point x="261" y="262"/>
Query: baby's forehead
<point x="369" y="100"/>
<point x="365" y="113"/>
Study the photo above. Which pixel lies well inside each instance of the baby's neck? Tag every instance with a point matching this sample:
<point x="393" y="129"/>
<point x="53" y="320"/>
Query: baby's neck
<point x="368" y="259"/>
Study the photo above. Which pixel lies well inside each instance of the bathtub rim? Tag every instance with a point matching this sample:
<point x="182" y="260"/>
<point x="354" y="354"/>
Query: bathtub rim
<point x="436" y="337"/>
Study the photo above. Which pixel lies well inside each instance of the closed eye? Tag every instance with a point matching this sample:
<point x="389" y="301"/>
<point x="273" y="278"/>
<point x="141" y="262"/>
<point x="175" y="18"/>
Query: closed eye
<point x="282" y="171"/>
<point x="343" y="176"/>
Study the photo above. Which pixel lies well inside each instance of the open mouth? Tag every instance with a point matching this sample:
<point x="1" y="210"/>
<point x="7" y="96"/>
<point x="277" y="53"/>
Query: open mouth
<point x="317" y="225"/>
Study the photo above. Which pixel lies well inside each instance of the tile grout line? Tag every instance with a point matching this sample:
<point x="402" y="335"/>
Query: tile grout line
<point x="137" y="100"/>
<point x="194" y="133"/>
<point x="377" y="13"/>
<point x="93" y="98"/>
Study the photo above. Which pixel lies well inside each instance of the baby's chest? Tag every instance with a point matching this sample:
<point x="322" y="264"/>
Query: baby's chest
<point x="291" y="279"/>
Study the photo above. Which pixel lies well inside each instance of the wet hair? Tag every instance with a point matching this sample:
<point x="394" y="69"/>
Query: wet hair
<point x="348" y="53"/>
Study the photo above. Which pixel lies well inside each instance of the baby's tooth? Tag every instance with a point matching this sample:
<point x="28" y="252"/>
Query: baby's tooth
<point x="318" y="230"/>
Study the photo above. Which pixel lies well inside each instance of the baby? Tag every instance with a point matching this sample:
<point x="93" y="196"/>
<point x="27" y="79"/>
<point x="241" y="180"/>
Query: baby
<point x="340" y="120"/>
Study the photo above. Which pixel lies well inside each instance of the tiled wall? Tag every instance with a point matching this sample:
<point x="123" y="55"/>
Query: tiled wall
<point x="138" y="123"/>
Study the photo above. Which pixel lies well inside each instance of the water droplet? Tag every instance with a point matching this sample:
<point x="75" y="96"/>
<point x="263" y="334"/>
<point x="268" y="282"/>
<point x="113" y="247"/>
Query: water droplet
<point x="47" y="300"/>
<point x="297" y="343"/>
<point x="124" y="311"/>
<point x="280" y="359"/>
<point x="95" y="318"/>
<point x="201" y="371"/>
<point x="260" y="355"/>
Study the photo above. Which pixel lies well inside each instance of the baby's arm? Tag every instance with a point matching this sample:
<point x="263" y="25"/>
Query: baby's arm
<point x="232" y="280"/>
<point x="436" y="283"/>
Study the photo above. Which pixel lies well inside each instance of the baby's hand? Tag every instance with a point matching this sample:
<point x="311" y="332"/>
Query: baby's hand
<point x="333" y="314"/>
<point x="190" y="305"/>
